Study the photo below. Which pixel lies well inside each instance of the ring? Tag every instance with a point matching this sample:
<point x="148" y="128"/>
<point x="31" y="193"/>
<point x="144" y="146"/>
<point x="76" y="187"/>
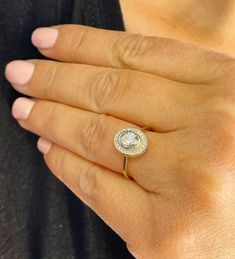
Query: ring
<point x="130" y="142"/>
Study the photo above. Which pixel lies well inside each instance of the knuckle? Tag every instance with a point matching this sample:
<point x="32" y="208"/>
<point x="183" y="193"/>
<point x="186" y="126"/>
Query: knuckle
<point x="204" y="183"/>
<point x="219" y="148"/>
<point x="61" y="164"/>
<point x="207" y="190"/>
<point x="90" y="135"/>
<point x="77" y="41"/>
<point x="104" y="88"/>
<point x="89" y="182"/>
<point x="50" y="78"/>
<point x="217" y="127"/>
<point x="222" y="128"/>
<point x="224" y="147"/>
<point x="128" y="49"/>
<point x="58" y="164"/>
<point x="49" y="121"/>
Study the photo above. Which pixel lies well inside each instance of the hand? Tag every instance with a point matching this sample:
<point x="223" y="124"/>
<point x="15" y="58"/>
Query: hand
<point x="181" y="202"/>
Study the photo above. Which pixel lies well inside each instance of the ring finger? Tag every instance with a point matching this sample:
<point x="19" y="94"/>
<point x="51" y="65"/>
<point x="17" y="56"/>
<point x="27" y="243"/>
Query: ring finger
<point x="90" y="135"/>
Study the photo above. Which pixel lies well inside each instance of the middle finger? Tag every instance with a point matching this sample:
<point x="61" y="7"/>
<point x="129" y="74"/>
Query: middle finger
<point x="137" y="97"/>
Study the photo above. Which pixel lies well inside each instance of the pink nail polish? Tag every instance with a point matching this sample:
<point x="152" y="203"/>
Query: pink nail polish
<point x="44" y="145"/>
<point x="22" y="108"/>
<point x="19" y="72"/>
<point x="44" y="38"/>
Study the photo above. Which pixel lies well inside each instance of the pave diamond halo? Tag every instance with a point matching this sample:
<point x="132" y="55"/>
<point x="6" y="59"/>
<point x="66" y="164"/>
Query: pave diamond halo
<point x="131" y="142"/>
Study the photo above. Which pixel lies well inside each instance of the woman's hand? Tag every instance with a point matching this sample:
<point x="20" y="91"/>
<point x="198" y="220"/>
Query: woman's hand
<point x="181" y="203"/>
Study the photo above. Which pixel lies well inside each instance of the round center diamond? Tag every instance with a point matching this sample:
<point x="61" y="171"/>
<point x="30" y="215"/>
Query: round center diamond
<point x="129" y="140"/>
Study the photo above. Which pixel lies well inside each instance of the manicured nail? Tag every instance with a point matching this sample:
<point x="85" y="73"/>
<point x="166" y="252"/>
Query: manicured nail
<point x="44" y="145"/>
<point x="44" y="38"/>
<point x="22" y="108"/>
<point x="19" y="72"/>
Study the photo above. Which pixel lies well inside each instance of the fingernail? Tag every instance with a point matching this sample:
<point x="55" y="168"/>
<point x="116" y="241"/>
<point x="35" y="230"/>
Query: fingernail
<point x="44" y="145"/>
<point x="22" y="108"/>
<point x="44" y="38"/>
<point x="19" y="72"/>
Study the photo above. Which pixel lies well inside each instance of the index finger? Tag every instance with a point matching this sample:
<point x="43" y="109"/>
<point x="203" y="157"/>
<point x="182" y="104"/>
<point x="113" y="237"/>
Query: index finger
<point x="165" y="57"/>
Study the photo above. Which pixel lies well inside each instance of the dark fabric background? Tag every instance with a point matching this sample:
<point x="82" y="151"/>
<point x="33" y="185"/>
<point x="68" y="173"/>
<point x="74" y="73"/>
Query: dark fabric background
<point x="39" y="217"/>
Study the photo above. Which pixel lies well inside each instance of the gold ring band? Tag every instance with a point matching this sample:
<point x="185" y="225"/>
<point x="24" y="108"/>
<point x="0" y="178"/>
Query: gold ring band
<point x="124" y="170"/>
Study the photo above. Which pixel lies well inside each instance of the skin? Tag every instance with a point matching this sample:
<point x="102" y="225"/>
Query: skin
<point x="209" y="23"/>
<point x="180" y="203"/>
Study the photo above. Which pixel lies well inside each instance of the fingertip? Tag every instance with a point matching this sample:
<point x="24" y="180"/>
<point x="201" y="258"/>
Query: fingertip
<point x="19" y="72"/>
<point x="45" y="37"/>
<point x="22" y="107"/>
<point x="44" y="145"/>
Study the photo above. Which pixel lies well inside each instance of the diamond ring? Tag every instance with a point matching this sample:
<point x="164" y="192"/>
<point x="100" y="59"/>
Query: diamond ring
<point x="130" y="142"/>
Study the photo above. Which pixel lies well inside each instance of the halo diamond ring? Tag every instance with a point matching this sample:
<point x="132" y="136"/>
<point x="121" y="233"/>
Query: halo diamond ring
<point x="130" y="142"/>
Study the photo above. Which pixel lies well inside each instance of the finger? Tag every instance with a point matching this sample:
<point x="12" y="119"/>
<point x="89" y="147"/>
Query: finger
<point x="140" y="98"/>
<point x="165" y="57"/>
<point x="91" y="136"/>
<point x="122" y="204"/>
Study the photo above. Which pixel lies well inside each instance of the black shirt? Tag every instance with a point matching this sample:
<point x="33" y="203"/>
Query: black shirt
<point x="39" y="216"/>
